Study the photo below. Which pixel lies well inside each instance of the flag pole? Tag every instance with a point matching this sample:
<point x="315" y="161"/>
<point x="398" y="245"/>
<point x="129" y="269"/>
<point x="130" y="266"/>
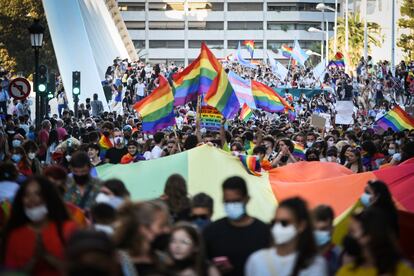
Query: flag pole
<point x="290" y="60"/>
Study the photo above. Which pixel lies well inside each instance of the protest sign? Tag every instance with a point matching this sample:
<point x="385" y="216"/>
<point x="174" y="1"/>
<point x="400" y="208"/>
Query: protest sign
<point x="344" y="110"/>
<point x="318" y="121"/>
<point x="210" y="118"/>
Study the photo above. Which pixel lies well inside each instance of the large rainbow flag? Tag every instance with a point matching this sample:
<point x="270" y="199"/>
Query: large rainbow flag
<point x="157" y="110"/>
<point x="186" y="84"/>
<point x="205" y="168"/>
<point x="267" y="99"/>
<point x="396" y="119"/>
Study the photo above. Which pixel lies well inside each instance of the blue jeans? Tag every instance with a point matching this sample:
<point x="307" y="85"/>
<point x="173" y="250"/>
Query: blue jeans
<point x="61" y="107"/>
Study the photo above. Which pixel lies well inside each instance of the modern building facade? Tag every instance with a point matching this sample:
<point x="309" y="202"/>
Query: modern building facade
<point x="172" y="31"/>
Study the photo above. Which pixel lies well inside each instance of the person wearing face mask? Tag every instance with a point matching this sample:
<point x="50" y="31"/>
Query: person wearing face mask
<point x="323" y="218"/>
<point x="223" y="237"/>
<point x="187" y="251"/>
<point x="374" y="250"/>
<point x="201" y="210"/>
<point x="310" y="139"/>
<point x="114" y="155"/>
<point x="31" y="148"/>
<point x="294" y="251"/>
<point x="37" y="230"/>
<point x="82" y="187"/>
<point x="142" y="235"/>
<point x="377" y="194"/>
<point x="20" y="160"/>
<point x="106" y="141"/>
<point x="17" y="140"/>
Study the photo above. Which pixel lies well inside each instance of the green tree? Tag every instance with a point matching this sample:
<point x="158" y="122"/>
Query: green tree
<point x="16" y="53"/>
<point x="406" y="41"/>
<point x="356" y="38"/>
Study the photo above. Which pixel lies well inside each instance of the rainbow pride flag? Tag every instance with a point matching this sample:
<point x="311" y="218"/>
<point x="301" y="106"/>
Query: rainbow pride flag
<point x="250" y="46"/>
<point x="186" y="84"/>
<point x="338" y="60"/>
<point x="298" y="151"/>
<point x="396" y="119"/>
<point x="246" y="113"/>
<point x="252" y="164"/>
<point x="286" y="51"/>
<point x="267" y="99"/>
<point x="156" y="110"/>
<point x="105" y="143"/>
<point x="215" y="83"/>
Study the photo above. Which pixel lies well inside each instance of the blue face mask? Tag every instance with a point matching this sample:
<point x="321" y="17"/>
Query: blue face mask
<point x="322" y="237"/>
<point x="16" y="158"/>
<point x="366" y="199"/>
<point x="16" y="143"/>
<point x="234" y="210"/>
<point x="201" y="223"/>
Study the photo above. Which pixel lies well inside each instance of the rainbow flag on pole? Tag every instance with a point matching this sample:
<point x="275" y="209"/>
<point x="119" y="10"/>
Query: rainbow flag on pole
<point x="246" y="113"/>
<point x="252" y="164"/>
<point x="216" y="85"/>
<point x="186" y="84"/>
<point x="286" y="51"/>
<point x="298" y="151"/>
<point x="250" y="46"/>
<point x="267" y="99"/>
<point x="156" y="110"/>
<point x="396" y="119"/>
<point x="338" y="60"/>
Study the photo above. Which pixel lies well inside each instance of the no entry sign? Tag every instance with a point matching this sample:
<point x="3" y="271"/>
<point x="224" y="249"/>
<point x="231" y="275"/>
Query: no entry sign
<point x="19" y="88"/>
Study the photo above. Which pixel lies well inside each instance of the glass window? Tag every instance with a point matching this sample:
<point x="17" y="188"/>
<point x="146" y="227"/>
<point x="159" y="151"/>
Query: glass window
<point x="205" y="25"/>
<point x="212" y="44"/>
<point x="131" y="6"/>
<point x="139" y="44"/>
<point x="166" y="43"/>
<point x="233" y="44"/>
<point x="135" y="25"/>
<point x="295" y="7"/>
<point x="245" y="6"/>
<point x="194" y="6"/>
<point x="243" y="25"/>
<point x="276" y="44"/>
<point x="157" y="6"/>
<point x="166" y="25"/>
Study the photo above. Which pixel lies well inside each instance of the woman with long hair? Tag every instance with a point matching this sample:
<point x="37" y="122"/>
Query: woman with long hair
<point x="176" y="197"/>
<point x="37" y="230"/>
<point x="354" y="161"/>
<point x="294" y="251"/>
<point x="187" y="251"/>
<point x="375" y="250"/>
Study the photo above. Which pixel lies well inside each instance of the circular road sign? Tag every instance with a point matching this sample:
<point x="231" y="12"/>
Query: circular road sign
<point x="19" y="88"/>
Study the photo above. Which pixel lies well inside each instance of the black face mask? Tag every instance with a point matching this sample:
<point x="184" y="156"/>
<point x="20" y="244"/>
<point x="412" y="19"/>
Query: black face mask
<point x="81" y="179"/>
<point x="160" y="242"/>
<point x="105" y="133"/>
<point x="351" y="246"/>
<point x="184" y="263"/>
<point x="284" y="159"/>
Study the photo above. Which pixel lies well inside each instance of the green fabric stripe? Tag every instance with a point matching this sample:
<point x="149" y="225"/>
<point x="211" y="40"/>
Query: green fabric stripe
<point x="146" y="179"/>
<point x="159" y="113"/>
<point x="208" y="73"/>
<point x="395" y="122"/>
<point x="225" y="97"/>
<point x="187" y="83"/>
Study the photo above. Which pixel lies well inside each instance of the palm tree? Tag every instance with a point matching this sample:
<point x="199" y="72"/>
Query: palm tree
<point x="356" y="38"/>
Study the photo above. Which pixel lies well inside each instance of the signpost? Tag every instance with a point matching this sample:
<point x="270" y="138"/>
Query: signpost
<point x="19" y="88"/>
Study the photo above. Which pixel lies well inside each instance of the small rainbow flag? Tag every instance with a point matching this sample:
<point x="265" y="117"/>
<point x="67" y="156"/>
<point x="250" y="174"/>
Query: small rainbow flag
<point x="250" y="46"/>
<point x="156" y="110"/>
<point x="105" y="143"/>
<point x="246" y="113"/>
<point x="298" y="151"/>
<point x="286" y="51"/>
<point x="267" y="99"/>
<point x="251" y="163"/>
<point x="396" y="119"/>
<point x="338" y="60"/>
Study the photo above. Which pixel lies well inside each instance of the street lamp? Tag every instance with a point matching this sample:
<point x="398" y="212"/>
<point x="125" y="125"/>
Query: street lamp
<point x="315" y="30"/>
<point x="322" y="7"/>
<point x="36" y="31"/>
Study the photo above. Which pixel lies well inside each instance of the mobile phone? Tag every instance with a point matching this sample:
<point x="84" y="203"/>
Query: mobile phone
<point x="222" y="261"/>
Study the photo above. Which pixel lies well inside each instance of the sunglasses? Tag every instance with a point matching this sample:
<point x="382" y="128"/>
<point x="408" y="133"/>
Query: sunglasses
<point x="284" y="222"/>
<point x="194" y="217"/>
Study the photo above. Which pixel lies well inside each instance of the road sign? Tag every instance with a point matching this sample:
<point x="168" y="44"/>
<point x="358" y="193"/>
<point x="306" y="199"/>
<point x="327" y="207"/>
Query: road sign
<point x="19" y="88"/>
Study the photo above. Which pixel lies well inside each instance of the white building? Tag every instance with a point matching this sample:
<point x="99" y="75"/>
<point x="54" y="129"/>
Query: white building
<point x="172" y="30"/>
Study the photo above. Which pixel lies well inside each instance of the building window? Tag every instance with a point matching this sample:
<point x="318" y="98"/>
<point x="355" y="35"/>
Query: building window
<point x="131" y="6"/>
<point x="286" y="26"/>
<point x="166" y="25"/>
<point x="139" y="44"/>
<point x="212" y="44"/>
<point x="160" y="6"/>
<point x="166" y="43"/>
<point x="276" y="44"/>
<point x="200" y="6"/>
<point x="135" y="25"/>
<point x="245" y="6"/>
<point x="243" y="25"/>
<point x="233" y="44"/>
<point x="280" y="7"/>
<point x="205" y="25"/>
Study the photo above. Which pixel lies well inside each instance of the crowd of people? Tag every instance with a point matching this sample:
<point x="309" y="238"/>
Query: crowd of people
<point x="58" y="217"/>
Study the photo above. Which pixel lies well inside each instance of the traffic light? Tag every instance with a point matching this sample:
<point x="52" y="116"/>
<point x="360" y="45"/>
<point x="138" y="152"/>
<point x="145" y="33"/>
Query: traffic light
<point x="42" y="79"/>
<point x="51" y="86"/>
<point x="76" y="83"/>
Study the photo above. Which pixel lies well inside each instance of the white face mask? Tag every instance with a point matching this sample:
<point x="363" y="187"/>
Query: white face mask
<point x="36" y="214"/>
<point x="104" y="228"/>
<point x="68" y="157"/>
<point x="283" y="234"/>
<point x="391" y="151"/>
<point x="118" y="140"/>
<point x="309" y="144"/>
<point x="31" y="155"/>
<point x="331" y="159"/>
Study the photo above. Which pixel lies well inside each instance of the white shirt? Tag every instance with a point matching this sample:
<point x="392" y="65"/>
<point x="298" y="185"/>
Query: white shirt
<point x="266" y="262"/>
<point x="139" y="89"/>
<point x="156" y="152"/>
